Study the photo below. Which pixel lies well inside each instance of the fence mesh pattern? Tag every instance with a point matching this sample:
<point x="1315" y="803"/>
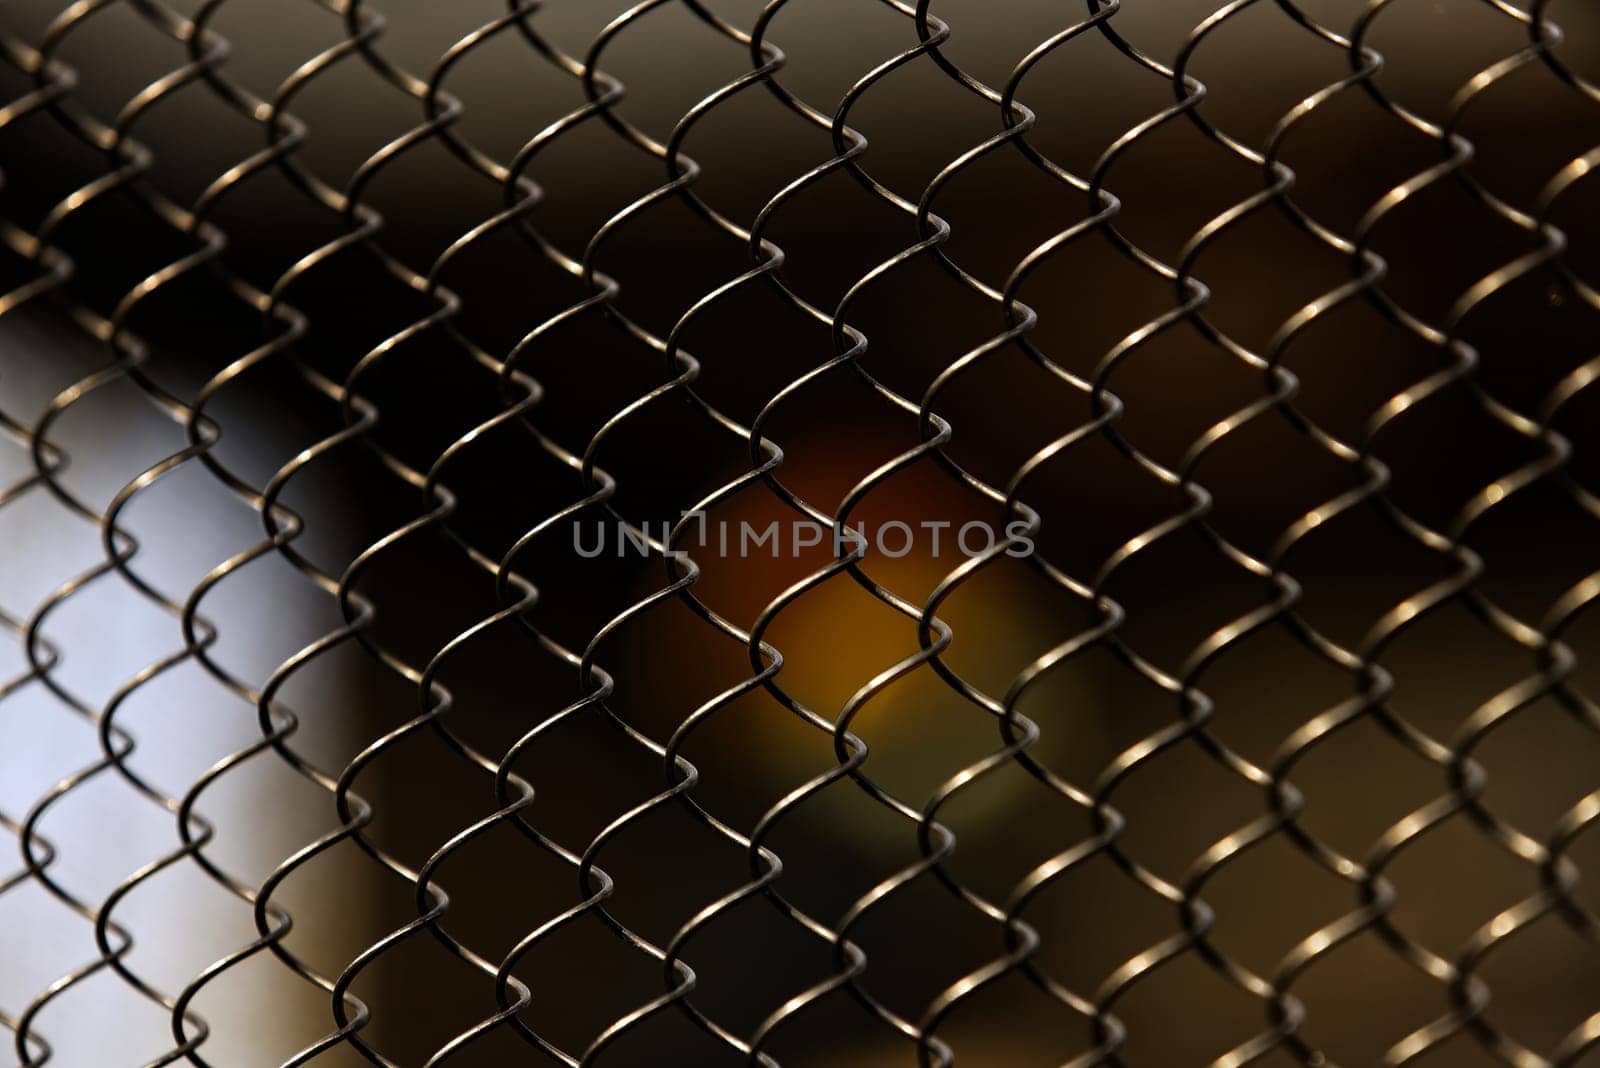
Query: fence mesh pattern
<point x="1264" y="332"/>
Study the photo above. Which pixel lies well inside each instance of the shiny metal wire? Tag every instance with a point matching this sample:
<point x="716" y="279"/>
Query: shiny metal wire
<point x="1017" y="931"/>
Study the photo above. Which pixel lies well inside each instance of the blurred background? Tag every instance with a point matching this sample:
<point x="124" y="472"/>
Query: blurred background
<point x="266" y="257"/>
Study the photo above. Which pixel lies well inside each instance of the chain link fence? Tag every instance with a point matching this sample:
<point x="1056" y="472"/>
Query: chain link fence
<point x="824" y="532"/>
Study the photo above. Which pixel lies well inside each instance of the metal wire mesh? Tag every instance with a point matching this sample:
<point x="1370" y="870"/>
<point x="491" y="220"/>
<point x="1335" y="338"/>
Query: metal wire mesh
<point x="326" y="330"/>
